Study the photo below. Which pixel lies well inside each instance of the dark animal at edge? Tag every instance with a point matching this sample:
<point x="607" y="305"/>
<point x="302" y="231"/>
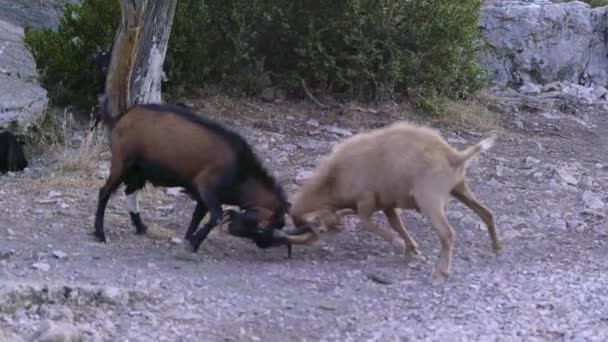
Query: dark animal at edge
<point x="170" y="146"/>
<point x="12" y="157"/>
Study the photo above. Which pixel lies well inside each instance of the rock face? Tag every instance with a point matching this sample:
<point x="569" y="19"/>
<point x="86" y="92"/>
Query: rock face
<point x="538" y="42"/>
<point x="22" y="99"/>
<point x="37" y="13"/>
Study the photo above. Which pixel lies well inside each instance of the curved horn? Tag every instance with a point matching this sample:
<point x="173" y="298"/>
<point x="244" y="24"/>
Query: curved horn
<point x="306" y="237"/>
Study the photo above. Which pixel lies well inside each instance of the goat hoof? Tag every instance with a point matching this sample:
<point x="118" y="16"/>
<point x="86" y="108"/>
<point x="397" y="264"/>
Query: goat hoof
<point x="438" y="278"/>
<point x="101" y="237"/>
<point x="497" y="249"/>
<point x="411" y="251"/>
<point x="189" y="247"/>
<point x="141" y="230"/>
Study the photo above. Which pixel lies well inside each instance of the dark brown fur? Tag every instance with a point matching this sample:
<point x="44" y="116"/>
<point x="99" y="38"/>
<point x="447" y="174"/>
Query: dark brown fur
<point x="170" y="146"/>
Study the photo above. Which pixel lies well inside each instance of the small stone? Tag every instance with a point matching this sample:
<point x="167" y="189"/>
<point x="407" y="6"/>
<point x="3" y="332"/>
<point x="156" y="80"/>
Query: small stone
<point x="165" y="208"/>
<point x="267" y="94"/>
<point x="175" y="192"/>
<point x="456" y="140"/>
<point x="339" y="131"/>
<point x="114" y="295"/>
<point x="176" y="241"/>
<point x="8" y="336"/>
<point x="552" y="86"/>
<point x="308" y="144"/>
<point x="314" y="132"/>
<point x="530" y="89"/>
<point x="302" y="176"/>
<point x="102" y="173"/>
<point x="530" y="162"/>
<point x="42" y="266"/>
<point x="499" y="170"/>
<point x="53" y="194"/>
<point x="567" y="176"/>
<point x="56" y="312"/>
<point x="10" y="231"/>
<point x="576" y="225"/>
<point x="264" y="81"/>
<point x="560" y="224"/>
<point x="313" y="123"/>
<point x="50" y="331"/>
<point x="592" y="201"/>
<point x="380" y="279"/>
<point x="599" y="92"/>
<point x="60" y="254"/>
<point x="288" y="147"/>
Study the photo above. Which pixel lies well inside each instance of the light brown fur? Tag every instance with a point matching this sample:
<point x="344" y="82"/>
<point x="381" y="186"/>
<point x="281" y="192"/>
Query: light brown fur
<point x="400" y="166"/>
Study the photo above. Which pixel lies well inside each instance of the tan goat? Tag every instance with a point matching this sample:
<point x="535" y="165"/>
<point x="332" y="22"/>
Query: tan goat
<point x="400" y="166"/>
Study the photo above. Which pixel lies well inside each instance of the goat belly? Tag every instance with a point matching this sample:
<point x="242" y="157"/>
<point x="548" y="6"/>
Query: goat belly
<point x="158" y="174"/>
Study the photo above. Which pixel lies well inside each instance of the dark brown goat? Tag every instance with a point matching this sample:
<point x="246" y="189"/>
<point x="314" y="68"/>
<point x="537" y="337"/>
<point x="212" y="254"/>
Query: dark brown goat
<point x="12" y="157"/>
<point x="170" y="146"/>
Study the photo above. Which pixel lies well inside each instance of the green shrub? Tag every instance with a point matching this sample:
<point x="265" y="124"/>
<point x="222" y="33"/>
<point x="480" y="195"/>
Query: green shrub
<point x="66" y="57"/>
<point x="367" y="49"/>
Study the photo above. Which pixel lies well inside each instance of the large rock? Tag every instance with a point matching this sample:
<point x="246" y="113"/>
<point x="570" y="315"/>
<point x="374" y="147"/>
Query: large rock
<point x="37" y="13"/>
<point x="537" y="42"/>
<point x="22" y="100"/>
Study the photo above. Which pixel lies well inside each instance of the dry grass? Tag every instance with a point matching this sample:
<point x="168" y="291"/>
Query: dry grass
<point x="84" y="158"/>
<point x="470" y="115"/>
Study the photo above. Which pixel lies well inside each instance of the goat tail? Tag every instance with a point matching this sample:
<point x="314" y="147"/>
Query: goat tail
<point x="461" y="157"/>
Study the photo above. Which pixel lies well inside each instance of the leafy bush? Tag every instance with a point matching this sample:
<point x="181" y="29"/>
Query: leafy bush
<point x="66" y="57"/>
<point x="368" y="49"/>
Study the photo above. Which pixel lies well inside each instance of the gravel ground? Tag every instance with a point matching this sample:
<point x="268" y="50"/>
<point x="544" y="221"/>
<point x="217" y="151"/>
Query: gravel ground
<point x="545" y="179"/>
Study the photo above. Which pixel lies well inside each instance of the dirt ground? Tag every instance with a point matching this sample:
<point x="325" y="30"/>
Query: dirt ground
<point x="545" y="179"/>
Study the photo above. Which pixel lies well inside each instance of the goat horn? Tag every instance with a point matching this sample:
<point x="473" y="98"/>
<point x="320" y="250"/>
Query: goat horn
<point x="306" y="237"/>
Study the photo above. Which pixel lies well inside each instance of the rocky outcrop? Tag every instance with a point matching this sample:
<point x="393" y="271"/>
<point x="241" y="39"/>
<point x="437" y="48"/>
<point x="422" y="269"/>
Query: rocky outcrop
<point x="22" y="100"/>
<point x="538" y="42"/>
<point x="37" y="13"/>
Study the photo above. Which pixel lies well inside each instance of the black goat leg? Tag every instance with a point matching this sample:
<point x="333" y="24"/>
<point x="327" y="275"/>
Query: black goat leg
<point x="104" y="195"/>
<point x="215" y="209"/>
<point x="197" y="216"/>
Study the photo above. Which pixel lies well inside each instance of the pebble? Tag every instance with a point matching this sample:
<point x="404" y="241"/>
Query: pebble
<point x="302" y="176"/>
<point x="50" y="331"/>
<point x="42" y="266"/>
<point x="53" y="194"/>
<point x="175" y="192"/>
<point x="567" y="176"/>
<point x="60" y="254"/>
<point x="114" y="295"/>
<point x="339" y="131"/>
<point x="313" y="123"/>
<point x="592" y="201"/>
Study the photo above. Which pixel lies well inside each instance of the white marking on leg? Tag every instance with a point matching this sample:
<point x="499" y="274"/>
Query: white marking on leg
<point x="132" y="205"/>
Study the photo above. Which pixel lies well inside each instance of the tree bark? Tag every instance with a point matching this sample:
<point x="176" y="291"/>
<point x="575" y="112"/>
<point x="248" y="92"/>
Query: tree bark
<point x="138" y="54"/>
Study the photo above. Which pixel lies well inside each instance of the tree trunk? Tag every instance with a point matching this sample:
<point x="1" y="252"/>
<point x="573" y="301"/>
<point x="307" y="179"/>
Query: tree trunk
<point x="138" y="54"/>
